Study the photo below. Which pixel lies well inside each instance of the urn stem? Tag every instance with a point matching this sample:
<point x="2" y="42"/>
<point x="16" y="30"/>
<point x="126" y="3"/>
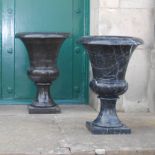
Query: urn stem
<point x="43" y="98"/>
<point x="107" y="116"/>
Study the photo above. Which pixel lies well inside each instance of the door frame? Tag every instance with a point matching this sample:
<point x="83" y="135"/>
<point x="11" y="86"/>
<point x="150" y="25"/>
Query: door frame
<point x="7" y="23"/>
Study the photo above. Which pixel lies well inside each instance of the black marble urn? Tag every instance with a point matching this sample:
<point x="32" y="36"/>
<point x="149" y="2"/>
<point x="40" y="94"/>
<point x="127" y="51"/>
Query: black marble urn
<point x="109" y="57"/>
<point x="43" y="50"/>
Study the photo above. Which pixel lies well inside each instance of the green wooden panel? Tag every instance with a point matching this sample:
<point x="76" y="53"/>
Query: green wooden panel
<point x="50" y="16"/>
<point x="7" y="48"/>
<point x="0" y="47"/>
<point x="44" y="16"/>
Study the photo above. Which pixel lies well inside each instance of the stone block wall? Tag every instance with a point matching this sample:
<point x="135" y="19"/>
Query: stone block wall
<point x="130" y="18"/>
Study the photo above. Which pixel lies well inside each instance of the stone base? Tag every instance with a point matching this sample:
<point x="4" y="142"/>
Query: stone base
<point x="102" y="130"/>
<point x="44" y="110"/>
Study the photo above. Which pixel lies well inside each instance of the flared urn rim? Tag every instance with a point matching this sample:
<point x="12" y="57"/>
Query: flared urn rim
<point x="42" y="35"/>
<point x="110" y="40"/>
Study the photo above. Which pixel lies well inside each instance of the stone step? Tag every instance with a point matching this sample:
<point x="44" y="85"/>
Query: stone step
<point x="66" y="134"/>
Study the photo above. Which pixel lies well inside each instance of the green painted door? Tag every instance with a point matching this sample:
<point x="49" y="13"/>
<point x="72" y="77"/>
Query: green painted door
<point x="43" y="16"/>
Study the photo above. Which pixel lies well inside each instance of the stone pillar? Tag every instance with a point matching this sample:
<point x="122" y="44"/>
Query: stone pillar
<point x="129" y="18"/>
<point x="151" y="82"/>
<point x="94" y="14"/>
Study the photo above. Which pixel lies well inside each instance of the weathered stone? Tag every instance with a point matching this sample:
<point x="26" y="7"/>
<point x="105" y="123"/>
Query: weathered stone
<point x="124" y="21"/>
<point x="94" y="3"/>
<point x="137" y="4"/>
<point x="151" y="82"/>
<point x="100" y="151"/>
<point x="21" y="133"/>
<point x="137" y="76"/>
<point x="94" y="22"/>
<point x="127" y="151"/>
<point x="109" y="3"/>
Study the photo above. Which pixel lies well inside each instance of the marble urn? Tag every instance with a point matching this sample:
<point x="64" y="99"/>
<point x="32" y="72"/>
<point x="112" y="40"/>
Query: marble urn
<point x="109" y="57"/>
<point x="43" y="49"/>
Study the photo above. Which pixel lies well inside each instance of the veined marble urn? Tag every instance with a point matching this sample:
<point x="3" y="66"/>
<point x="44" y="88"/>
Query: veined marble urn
<point x="109" y="57"/>
<point x="43" y="49"/>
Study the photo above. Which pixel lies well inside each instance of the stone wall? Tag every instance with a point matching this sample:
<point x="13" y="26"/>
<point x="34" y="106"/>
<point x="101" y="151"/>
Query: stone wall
<point x="130" y="18"/>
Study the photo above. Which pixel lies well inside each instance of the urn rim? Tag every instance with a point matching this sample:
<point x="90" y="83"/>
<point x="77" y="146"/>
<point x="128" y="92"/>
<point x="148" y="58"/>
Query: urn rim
<point x="110" y="40"/>
<point x="42" y="35"/>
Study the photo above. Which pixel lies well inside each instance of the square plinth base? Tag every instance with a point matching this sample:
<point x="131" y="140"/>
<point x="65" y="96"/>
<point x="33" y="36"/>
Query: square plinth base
<point x="102" y="130"/>
<point x="44" y="110"/>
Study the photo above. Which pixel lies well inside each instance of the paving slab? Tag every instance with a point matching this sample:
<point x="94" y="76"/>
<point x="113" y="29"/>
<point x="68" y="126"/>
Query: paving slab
<point x="66" y="134"/>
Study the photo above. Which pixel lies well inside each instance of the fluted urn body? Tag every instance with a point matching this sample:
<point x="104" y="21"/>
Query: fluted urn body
<point x="43" y="49"/>
<point x="109" y="57"/>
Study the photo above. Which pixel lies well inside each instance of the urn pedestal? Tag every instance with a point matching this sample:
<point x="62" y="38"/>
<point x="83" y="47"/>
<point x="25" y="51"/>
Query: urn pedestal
<point x="109" y="57"/>
<point x="43" y="49"/>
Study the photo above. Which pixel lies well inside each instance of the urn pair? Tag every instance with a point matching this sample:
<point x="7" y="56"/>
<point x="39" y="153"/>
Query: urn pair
<point x="109" y="57"/>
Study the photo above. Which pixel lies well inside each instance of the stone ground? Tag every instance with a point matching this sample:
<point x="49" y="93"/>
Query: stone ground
<point x="65" y="133"/>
